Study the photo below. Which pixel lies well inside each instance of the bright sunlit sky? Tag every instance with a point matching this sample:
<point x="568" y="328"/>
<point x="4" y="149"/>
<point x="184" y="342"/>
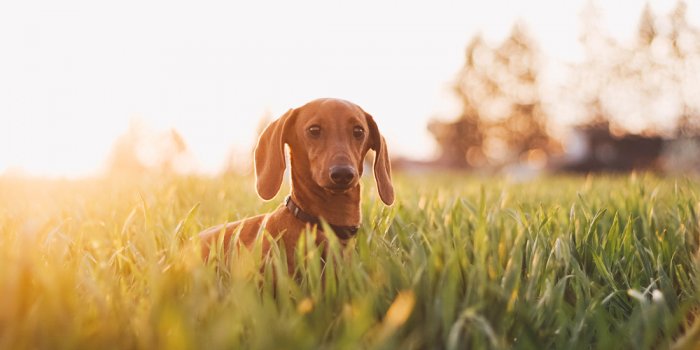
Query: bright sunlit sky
<point x="74" y="73"/>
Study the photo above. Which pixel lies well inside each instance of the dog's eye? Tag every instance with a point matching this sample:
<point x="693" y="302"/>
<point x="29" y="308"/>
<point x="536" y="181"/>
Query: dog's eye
<point x="315" y="131"/>
<point x="358" y="132"/>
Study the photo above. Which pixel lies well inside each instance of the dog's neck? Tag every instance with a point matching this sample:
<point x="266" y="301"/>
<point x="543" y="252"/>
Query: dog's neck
<point x="342" y="209"/>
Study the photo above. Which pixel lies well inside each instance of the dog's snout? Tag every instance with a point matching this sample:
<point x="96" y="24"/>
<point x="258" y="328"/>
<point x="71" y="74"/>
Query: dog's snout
<point x="342" y="174"/>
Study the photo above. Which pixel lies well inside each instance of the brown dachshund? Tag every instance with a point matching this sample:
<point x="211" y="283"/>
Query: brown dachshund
<point x="328" y="140"/>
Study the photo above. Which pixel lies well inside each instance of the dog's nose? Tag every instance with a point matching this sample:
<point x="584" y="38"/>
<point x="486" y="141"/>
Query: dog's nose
<point x="342" y="174"/>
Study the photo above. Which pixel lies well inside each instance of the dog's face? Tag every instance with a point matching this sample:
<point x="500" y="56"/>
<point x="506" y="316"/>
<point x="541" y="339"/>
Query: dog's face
<point x="332" y="136"/>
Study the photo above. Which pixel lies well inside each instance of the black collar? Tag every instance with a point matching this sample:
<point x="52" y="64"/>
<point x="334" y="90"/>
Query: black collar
<point x="343" y="232"/>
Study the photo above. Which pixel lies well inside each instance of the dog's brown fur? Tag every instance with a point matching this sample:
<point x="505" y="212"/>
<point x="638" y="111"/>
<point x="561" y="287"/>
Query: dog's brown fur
<point x="312" y="158"/>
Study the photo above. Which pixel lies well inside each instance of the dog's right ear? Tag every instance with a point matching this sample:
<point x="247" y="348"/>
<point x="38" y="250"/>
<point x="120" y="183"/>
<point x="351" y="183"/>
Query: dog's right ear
<point x="269" y="156"/>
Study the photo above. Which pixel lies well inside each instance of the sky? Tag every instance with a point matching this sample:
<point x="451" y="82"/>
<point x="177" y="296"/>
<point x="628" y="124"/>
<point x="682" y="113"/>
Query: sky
<point x="75" y="74"/>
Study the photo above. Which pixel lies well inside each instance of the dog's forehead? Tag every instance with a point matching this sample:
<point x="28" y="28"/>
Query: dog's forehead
<point x="334" y="109"/>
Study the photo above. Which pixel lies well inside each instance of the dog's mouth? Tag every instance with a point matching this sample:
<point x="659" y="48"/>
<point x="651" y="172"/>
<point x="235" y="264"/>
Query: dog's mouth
<point x="338" y="189"/>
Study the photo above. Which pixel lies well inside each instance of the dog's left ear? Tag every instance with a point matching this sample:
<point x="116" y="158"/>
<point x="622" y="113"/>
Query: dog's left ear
<point x="382" y="166"/>
<point x="269" y="156"/>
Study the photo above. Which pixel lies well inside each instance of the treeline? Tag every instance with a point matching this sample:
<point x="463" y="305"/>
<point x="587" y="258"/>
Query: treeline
<point x="647" y="87"/>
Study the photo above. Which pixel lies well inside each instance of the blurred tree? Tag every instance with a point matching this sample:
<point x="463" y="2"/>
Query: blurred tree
<point x="685" y="41"/>
<point x="646" y="87"/>
<point x="646" y="30"/>
<point x="688" y="126"/>
<point x="140" y="151"/>
<point x="523" y="126"/>
<point x="124" y="156"/>
<point x="634" y="97"/>
<point x="461" y="140"/>
<point x="502" y="119"/>
<point x="172" y="149"/>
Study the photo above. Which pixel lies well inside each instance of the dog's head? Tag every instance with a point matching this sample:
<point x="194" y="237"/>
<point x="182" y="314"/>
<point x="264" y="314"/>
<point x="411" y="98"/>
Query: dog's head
<point x="331" y="138"/>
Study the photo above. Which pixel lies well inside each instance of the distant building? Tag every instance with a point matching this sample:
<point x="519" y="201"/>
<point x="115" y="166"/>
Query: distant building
<point x="593" y="148"/>
<point x="681" y="155"/>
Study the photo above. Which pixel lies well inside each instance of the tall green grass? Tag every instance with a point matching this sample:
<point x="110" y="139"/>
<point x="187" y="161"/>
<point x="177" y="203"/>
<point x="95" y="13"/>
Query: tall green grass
<point x="458" y="262"/>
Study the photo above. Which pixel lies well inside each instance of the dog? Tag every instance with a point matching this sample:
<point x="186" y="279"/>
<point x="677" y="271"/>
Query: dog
<point x="328" y="140"/>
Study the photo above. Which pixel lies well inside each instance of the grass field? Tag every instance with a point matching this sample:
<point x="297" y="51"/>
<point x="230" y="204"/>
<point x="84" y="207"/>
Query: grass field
<point x="566" y="263"/>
